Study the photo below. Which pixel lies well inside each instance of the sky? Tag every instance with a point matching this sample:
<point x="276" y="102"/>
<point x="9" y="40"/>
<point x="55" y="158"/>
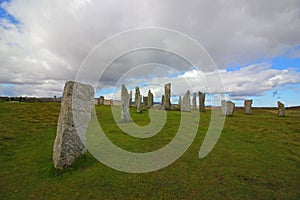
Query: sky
<point x="243" y="49"/>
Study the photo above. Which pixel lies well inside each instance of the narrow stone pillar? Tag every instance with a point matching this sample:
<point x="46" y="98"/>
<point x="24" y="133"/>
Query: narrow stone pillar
<point x="201" y="101"/>
<point x="167" y="101"/>
<point x="194" y="104"/>
<point x="125" y="98"/>
<point x="281" y="109"/>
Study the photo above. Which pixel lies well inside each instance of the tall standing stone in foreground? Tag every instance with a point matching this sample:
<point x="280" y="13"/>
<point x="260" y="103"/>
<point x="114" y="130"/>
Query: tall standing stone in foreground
<point x="194" y="104"/>
<point x="137" y="94"/>
<point x="227" y="107"/>
<point x="139" y="104"/>
<point x="101" y="100"/>
<point x="125" y="98"/>
<point x="186" y="102"/>
<point x="281" y="110"/>
<point x="75" y="113"/>
<point x="201" y="101"/>
<point x="247" y="106"/>
<point x="167" y="100"/>
<point x="150" y="98"/>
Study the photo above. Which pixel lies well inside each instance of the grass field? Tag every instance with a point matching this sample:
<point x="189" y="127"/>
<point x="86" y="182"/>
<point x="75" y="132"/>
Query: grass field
<point x="256" y="157"/>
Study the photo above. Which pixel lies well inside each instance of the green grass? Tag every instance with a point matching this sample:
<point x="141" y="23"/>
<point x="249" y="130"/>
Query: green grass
<point x="256" y="157"/>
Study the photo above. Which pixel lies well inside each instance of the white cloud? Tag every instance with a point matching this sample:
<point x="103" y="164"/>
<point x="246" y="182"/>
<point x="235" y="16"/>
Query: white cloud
<point x="53" y="38"/>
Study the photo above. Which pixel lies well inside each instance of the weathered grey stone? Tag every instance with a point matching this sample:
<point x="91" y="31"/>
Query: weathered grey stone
<point x="281" y="109"/>
<point x="167" y="100"/>
<point x="125" y="98"/>
<point x="139" y="104"/>
<point x="247" y="106"/>
<point x="130" y="99"/>
<point x="75" y="113"/>
<point x="101" y="100"/>
<point x="186" y="102"/>
<point x="54" y="98"/>
<point x="194" y="104"/>
<point x="145" y="102"/>
<point x="201" y="101"/>
<point x="137" y="94"/>
<point x="162" y="101"/>
<point x="150" y="98"/>
<point x="227" y="107"/>
<point x="179" y="101"/>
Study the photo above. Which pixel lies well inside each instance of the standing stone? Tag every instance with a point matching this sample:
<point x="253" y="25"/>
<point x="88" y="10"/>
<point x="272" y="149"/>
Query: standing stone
<point x="75" y="113"/>
<point x="194" y="104"/>
<point x="281" y="110"/>
<point x="139" y="104"/>
<point x="137" y="94"/>
<point x="130" y="98"/>
<point x="145" y="102"/>
<point x="179" y="101"/>
<point x="54" y="98"/>
<point x="201" y="101"/>
<point x="125" y="98"/>
<point x="150" y="99"/>
<point x="101" y="100"/>
<point x="227" y="107"/>
<point x="247" y="106"/>
<point x="167" y="101"/>
<point x="186" y="102"/>
<point x="162" y="101"/>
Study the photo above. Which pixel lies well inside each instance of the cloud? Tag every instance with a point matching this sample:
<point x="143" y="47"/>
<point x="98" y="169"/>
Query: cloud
<point x="252" y="80"/>
<point x="52" y="38"/>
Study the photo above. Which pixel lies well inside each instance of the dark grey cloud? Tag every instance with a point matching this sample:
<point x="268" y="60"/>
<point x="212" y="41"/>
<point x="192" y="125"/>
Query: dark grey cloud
<point x="54" y="37"/>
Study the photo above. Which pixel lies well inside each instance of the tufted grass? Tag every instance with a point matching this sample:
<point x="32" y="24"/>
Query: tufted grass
<point x="256" y="157"/>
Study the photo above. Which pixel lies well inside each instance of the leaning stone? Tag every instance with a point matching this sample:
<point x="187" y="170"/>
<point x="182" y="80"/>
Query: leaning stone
<point x="201" y="101"/>
<point x="227" y="107"/>
<point x="247" y="105"/>
<point x="75" y="113"/>
<point x="167" y="100"/>
<point x="125" y="98"/>
<point x="281" y="110"/>
<point x="186" y="102"/>
<point x="194" y="104"/>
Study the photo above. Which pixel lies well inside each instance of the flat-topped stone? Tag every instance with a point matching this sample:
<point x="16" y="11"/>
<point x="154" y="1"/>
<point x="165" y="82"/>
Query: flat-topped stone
<point x="227" y="107"/>
<point x="247" y="106"/>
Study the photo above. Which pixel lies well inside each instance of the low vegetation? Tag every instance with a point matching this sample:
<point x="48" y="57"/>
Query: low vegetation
<point x="256" y="157"/>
